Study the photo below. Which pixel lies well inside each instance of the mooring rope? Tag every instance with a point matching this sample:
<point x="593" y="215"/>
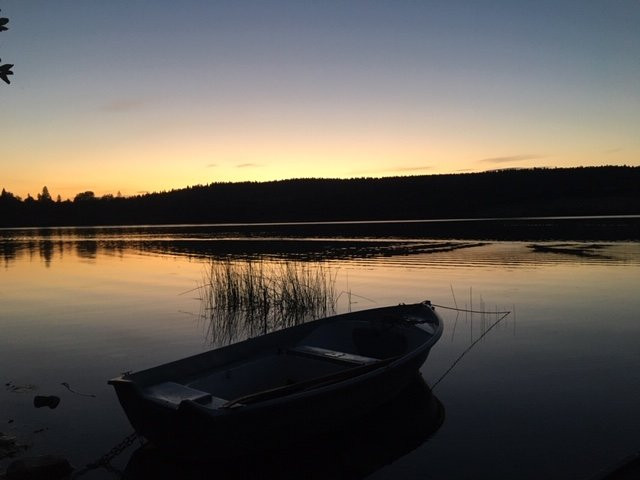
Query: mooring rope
<point x="105" y="460"/>
<point x="473" y="344"/>
<point x="494" y="312"/>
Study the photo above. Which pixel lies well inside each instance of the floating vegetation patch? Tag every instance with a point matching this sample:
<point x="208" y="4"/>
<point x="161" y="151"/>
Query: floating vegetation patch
<point x="577" y="249"/>
<point x="303" y="249"/>
<point x="373" y="249"/>
<point x="242" y="299"/>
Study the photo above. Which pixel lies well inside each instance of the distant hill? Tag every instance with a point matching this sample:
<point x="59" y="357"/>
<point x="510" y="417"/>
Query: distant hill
<point x="609" y="190"/>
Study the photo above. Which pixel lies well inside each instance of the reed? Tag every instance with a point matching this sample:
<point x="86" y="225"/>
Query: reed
<point x="242" y="299"/>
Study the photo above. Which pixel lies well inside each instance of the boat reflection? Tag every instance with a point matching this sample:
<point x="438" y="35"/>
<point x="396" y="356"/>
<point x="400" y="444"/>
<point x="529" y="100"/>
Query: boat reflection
<point x="356" y="450"/>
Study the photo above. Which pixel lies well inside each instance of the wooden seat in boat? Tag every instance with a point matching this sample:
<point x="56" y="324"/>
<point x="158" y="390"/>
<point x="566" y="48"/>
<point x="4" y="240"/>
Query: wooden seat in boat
<point x="173" y="394"/>
<point x="331" y="355"/>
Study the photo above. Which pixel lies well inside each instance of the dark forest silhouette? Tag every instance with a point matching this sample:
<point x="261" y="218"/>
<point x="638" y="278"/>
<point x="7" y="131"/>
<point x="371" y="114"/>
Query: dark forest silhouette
<point x="610" y="190"/>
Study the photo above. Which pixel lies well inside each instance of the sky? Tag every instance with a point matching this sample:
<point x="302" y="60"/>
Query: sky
<point x="148" y="95"/>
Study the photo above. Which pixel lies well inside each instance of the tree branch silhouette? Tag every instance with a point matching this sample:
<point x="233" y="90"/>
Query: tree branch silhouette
<point x="5" y="70"/>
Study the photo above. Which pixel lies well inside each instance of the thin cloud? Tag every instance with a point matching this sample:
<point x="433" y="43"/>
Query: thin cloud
<point x="248" y="165"/>
<point x="212" y="165"/>
<point x="512" y="158"/>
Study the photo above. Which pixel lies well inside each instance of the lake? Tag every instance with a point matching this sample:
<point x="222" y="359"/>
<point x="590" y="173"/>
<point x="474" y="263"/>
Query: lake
<point x="550" y="391"/>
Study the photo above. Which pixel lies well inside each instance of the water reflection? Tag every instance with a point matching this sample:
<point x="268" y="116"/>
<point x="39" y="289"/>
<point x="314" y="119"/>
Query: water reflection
<point x="88" y="244"/>
<point x="532" y="394"/>
<point x="87" y="250"/>
<point x="302" y="249"/>
<point x="225" y="327"/>
<point x="360" y="448"/>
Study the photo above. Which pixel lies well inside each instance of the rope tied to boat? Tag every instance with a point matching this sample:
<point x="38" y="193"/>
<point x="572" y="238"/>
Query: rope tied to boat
<point x="503" y="314"/>
<point x="105" y="460"/>
<point x="456" y="309"/>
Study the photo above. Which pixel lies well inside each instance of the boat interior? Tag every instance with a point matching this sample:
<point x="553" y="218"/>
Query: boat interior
<point x="329" y="353"/>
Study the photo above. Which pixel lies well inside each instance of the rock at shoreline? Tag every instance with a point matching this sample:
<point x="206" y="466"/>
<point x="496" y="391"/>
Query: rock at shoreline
<point x="50" y="401"/>
<point x="44" y="467"/>
<point x="9" y="446"/>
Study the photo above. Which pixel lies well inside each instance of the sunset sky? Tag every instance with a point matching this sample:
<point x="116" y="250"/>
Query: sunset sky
<point x="141" y="95"/>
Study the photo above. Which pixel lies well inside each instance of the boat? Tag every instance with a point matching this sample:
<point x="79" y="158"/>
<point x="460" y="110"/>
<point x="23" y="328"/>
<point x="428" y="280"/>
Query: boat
<point x="359" y="448"/>
<point x="282" y="386"/>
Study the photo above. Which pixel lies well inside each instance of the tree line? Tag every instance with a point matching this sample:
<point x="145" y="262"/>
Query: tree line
<point x="608" y="190"/>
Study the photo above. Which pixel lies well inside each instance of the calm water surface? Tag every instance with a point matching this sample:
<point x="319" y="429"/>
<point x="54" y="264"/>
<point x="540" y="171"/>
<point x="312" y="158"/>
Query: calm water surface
<point x="551" y="392"/>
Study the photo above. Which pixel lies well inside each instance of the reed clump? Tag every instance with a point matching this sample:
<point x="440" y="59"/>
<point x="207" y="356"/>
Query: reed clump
<point x="246" y="298"/>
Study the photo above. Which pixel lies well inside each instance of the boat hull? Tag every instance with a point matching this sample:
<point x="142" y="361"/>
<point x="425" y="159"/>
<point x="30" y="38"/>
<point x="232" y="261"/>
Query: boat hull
<point x="357" y="449"/>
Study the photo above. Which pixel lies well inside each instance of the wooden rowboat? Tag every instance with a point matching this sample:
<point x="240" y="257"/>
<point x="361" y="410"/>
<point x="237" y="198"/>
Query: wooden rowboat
<point x="285" y="385"/>
<point x="356" y="449"/>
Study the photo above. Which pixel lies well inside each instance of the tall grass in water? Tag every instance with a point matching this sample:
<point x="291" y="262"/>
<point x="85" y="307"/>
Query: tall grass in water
<point x="242" y="299"/>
